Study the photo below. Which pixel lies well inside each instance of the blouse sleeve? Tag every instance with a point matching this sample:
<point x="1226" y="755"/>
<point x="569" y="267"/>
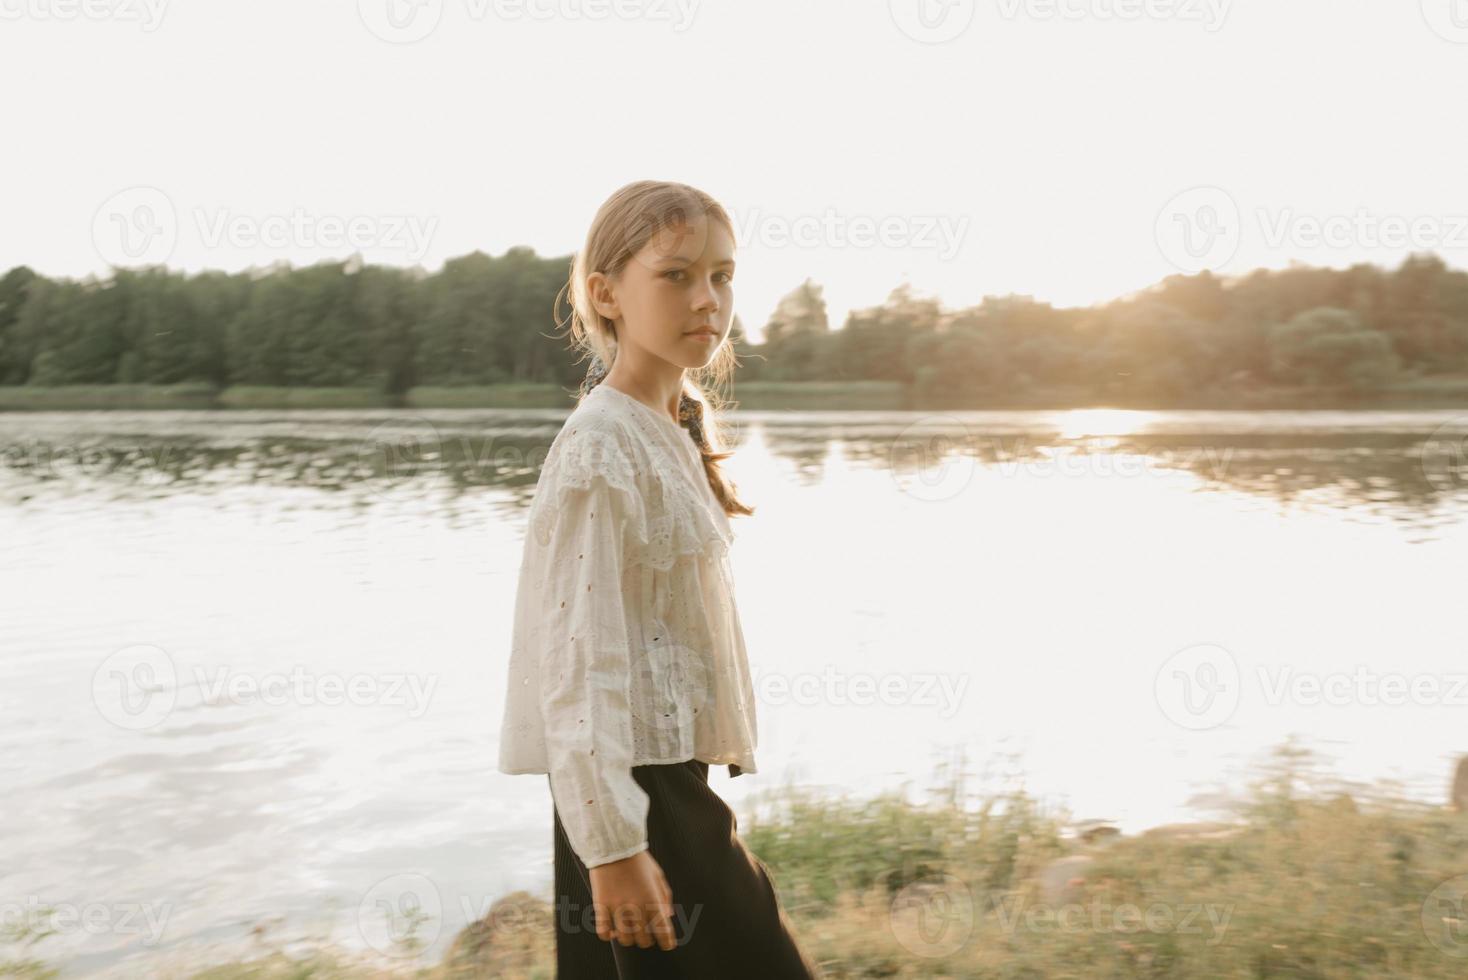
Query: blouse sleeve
<point x="585" y="667"/>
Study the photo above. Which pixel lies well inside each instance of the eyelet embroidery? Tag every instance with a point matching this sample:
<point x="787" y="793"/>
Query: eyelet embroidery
<point x="560" y="724"/>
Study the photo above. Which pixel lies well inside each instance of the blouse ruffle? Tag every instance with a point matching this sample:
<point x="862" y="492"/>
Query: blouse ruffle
<point x="662" y="521"/>
<point x="624" y="595"/>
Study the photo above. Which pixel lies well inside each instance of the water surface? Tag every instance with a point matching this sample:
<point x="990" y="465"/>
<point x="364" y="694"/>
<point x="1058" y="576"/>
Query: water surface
<point x="252" y="661"/>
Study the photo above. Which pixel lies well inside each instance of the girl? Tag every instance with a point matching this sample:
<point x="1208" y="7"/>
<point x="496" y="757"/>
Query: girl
<point x="628" y="676"/>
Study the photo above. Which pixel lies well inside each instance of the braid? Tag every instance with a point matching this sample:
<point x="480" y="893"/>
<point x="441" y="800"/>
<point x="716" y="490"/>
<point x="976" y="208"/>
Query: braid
<point x="690" y="414"/>
<point x="595" y="374"/>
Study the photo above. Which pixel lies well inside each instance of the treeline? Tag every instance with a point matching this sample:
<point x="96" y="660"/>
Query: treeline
<point x="485" y="320"/>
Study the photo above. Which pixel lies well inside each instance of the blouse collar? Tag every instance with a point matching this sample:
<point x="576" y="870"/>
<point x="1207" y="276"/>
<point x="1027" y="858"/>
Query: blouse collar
<point x="683" y="439"/>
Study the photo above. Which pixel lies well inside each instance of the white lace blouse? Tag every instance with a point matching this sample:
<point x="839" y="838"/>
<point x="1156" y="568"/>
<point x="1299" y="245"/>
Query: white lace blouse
<point x="626" y="647"/>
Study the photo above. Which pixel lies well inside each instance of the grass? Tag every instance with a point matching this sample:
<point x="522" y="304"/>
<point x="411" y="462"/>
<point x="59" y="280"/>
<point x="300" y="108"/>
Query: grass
<point x="1307" y="883"/>
<point x="1429" y="392"/>
<point x="16" y="398"/>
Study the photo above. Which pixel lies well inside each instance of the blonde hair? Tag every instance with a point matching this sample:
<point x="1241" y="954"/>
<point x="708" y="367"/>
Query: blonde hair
<point x="626" y="222"/>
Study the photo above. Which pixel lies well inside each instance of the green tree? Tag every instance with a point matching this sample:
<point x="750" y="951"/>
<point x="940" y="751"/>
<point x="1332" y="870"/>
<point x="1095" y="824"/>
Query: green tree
<point x="15" y="355"/>
<point x="1330" y="346"/>
<point x="795" y="335"/>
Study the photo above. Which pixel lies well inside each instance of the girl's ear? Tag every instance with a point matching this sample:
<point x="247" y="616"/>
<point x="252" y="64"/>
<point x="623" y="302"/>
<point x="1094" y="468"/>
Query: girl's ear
<point x="599" y="288"/>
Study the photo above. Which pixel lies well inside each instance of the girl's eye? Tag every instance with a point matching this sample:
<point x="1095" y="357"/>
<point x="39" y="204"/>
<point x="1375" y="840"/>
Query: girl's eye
<point x="728" y="277"/>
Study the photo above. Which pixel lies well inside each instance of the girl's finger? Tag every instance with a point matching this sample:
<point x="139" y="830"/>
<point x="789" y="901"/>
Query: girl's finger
<point x="629" y="924"/>
<point x="662" y="928"/>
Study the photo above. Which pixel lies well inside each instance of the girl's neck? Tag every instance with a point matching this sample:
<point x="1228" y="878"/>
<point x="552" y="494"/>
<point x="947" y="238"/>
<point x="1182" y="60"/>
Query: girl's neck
<point x="659" y="395"/>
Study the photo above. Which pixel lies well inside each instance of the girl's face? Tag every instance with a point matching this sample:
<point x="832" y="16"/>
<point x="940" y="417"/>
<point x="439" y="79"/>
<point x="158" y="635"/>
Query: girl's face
<point x="675" y="298"/>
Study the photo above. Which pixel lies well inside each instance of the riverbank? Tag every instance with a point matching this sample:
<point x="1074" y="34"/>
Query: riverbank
<point x="1301" y="880"/>
<point x="1432" y="392"/>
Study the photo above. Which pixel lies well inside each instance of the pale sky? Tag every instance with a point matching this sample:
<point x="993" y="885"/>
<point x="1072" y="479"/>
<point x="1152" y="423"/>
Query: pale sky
<point x="1073" y="150"/>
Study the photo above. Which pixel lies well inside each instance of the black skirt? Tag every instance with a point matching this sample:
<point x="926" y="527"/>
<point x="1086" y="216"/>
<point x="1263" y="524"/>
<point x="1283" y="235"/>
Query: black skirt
<point x="727" y="920"/>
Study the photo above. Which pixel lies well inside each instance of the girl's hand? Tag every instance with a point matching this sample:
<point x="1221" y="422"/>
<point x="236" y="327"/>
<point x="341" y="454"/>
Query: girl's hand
<point x="633" y="902"/>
